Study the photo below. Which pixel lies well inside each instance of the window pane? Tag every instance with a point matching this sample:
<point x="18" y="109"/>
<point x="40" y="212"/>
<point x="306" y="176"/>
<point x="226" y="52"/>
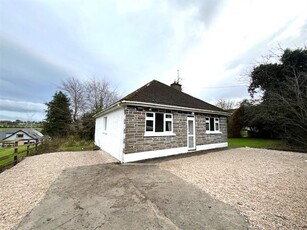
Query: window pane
<point x="216" y="126"/>
<point x="149" y="114"/>
<point x="191" y="142"/>
<point x="168" y="116"/>
<point x="190" y="127"/>
<point x="211" y="124"/>
<point x="149" y="126"/>
<point x="168" y="126"/>
<point x="159" y="122"/>
<point x="207" y="126"/>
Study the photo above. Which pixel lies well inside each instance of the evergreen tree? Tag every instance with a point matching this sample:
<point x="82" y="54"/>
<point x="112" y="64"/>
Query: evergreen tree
<point x="283" y="108"/>
<point x="58" y="116"/>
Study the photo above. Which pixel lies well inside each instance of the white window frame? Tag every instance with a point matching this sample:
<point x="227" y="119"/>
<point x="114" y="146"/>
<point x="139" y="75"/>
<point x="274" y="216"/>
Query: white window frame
<point x="166" y="118"/>
<point x="216" y="121"/>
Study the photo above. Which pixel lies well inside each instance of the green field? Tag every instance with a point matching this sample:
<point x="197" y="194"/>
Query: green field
<point x="255" y="143"/>
<point x="10" y="151"/>
<point x="16" y="128"/>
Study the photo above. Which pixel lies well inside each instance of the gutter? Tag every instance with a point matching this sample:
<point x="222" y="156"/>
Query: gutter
<point x="158" y="106"/>
<point x="109" y="109"/>
<point x="174" y="107"/>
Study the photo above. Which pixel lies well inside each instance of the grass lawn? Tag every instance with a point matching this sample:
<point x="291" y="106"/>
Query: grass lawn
<point x="4" y="129"/>
<point x="9" y="151"/>
<point x="254" y="143"/>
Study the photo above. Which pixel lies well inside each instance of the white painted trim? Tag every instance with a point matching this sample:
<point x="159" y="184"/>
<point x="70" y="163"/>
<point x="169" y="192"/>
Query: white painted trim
<point x="155" y="105"/>
<point x="191" y="135"/>
<point x="174" y="107"/>
<point x="131" y="157"/>
<point x="161" y="134"/>
<point x="111" y="108"/>
<point x="213" y="132"/>
<point x="212" y="146"/>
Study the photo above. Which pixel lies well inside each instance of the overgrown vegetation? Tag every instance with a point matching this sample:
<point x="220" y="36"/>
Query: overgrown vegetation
<point x="66" y="144"/>
<point x="72" y="113"/>
<point x="280" y="111"/>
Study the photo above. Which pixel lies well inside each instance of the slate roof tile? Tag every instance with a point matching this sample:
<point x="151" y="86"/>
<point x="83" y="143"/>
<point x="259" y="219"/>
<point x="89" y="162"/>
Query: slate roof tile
<point x="159" y="93"/>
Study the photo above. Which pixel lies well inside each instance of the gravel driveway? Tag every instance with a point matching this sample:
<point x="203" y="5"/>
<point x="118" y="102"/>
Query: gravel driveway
<point x="24" y="186"/>
<point x="269" y="187"/>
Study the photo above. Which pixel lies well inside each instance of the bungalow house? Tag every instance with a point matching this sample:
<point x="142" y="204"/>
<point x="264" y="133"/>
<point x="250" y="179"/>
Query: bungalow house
<point x="21" y="136"/>
<point x="159" y="120"/>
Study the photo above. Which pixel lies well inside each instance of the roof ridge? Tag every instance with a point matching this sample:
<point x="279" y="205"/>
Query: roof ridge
<point x="138" y="90"/>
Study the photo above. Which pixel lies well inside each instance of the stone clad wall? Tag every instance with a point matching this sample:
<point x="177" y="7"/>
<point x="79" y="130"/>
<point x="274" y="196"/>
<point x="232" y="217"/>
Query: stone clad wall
<point x="134" y="140"/>
<point x="202" y="138"/>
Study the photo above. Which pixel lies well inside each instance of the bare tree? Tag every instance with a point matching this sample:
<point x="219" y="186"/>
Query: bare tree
<point x="292" y="98"/>
<point x="99" y="94"/>
<point x="75" y="90"/>
<point x="225" y="104"/>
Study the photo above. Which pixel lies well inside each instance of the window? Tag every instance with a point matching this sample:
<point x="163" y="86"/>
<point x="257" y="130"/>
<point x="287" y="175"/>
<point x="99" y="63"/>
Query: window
<point x="212" y="124"/>
<point x="19" y="135"/>
<point x="159" y="123"/>
<point x="105" y="124"/>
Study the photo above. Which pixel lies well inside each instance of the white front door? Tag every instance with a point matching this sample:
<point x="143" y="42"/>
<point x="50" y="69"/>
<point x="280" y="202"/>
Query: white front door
<point x="191" y="133"/>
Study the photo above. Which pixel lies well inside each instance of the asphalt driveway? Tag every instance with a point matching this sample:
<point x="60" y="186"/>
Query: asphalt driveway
<point x="111" y="196"/>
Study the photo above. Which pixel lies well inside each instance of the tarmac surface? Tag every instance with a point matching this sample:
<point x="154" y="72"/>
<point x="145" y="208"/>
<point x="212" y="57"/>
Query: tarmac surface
<point x="133" y="196"/>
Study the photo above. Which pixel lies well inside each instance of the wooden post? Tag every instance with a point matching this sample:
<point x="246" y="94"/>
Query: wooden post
<point x="15" y="153"/>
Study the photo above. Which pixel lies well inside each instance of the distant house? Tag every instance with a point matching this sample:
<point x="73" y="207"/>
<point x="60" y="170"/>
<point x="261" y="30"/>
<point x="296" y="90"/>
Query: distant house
<point x="21" y="136"/>
<point x="159" y="120"/>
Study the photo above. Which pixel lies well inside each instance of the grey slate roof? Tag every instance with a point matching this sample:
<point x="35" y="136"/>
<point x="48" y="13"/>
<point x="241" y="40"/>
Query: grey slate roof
<point x="2" y="135"/>
<point x="159" y="93"/>
<point x="33" y="133"/>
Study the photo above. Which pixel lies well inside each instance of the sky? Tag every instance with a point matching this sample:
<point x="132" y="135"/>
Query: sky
<point x="213" y="44"/>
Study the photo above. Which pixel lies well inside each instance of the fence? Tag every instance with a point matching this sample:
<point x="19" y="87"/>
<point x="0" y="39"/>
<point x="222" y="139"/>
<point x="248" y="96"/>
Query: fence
<point x="10" y="160"/>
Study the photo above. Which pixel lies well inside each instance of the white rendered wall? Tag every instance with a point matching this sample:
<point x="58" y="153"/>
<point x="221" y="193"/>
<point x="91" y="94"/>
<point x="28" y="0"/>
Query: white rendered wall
<point x="131" y="157"/>
<point x="111" y="140"/>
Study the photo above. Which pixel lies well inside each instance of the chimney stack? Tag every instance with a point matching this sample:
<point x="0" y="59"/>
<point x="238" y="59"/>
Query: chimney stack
<point x="176" y="86"/>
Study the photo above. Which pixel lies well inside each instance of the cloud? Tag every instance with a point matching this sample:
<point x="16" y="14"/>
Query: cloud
<point x="25" y="75"/>
<point x="130" y="42"/>
<point x="208" y="11"/>
<point x="21" y="106"/>
<point x="22" y="110"/>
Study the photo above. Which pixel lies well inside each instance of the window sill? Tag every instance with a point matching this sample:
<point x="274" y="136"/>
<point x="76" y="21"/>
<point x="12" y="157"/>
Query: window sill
<point x="213" y="132"/>
<point x="159" y="134"/>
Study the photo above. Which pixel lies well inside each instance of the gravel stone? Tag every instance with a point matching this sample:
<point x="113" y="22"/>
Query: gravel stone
<point x="23" y="186"/>
<point x="267" y="186"/>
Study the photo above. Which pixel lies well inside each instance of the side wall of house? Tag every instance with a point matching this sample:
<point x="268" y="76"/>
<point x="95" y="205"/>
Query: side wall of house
<point x="111" y="138"/>
<point x="135" y="141"/>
